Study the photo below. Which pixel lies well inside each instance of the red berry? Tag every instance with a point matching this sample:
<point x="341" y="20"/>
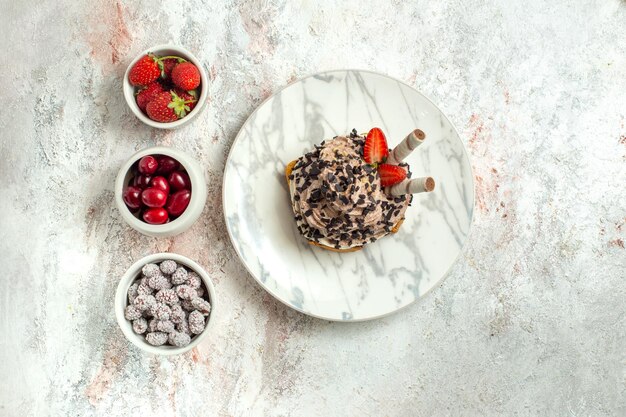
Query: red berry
<point x="167" y="164"/>
<point x="375" y="150"/>
<point x="390" y="174"/>
<point x="144" y="71"/>
<point x="161" y="184"/>
<point x="153" y="197"/>
<point x="178" y="202"/>
<point x="142" y="181"/>
<point x="155" y="216"/>
<point x="159" y="110"/>
<point x="132" y="197"/>
<point x="179" y="180"/>
<point x="168" y="66"/>
<point x="146" y="95"/>
<point x="190" y="97"/>
<point x="186" y="76"/>
<point x="148" y="165"/>
<point x="167" y="107"/>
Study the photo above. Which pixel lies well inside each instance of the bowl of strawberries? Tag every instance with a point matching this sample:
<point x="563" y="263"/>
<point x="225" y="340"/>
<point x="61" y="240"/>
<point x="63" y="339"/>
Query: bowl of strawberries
<point x="165" y="86"/>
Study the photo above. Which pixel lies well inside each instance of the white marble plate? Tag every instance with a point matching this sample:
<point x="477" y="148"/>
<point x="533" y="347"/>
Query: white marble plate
<point x="386" y="275"/>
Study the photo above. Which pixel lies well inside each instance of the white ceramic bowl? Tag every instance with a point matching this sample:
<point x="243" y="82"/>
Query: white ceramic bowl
<point x="196" y="204"/>
<point x="164" y="50"/>
<point x="121" y="301"/>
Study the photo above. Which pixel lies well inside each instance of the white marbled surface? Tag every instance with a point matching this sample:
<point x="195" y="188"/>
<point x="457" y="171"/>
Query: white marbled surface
<point x="531" y="320"/>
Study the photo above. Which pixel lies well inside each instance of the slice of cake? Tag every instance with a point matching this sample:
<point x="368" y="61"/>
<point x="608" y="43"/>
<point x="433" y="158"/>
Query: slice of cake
<point x="351" y="190"/>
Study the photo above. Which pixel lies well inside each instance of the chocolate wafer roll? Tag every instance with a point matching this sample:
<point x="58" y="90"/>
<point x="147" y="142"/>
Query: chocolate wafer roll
<point x="404" y="148"/>
<point x="414" y="186"/>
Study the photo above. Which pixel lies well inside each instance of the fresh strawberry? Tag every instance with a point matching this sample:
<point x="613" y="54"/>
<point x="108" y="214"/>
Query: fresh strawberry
<point x="167" y="107"/>
<point x="190" y="97"/>
<point x="390" y="174"/>
<point x="144" y="71"/>
<point x="375" y="150"/>
<point x="168" y="65"/>
<point x="159" y="110"/>
<point x="186" y="76"/>
<point x="147" y="94"/>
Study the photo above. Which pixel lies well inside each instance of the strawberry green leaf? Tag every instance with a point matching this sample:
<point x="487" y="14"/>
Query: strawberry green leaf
<point x="179" y="105"/>
<point x="179" y="59"/>
<point x="162" y="68"/>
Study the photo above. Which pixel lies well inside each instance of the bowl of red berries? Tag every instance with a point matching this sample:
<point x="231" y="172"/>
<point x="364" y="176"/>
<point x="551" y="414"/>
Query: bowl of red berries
<point x="165" y="86"/>
<point x="160" y="191"/>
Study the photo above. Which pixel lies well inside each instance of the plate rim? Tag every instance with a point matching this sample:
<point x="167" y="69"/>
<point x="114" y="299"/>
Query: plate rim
<point x="265" y="287"/>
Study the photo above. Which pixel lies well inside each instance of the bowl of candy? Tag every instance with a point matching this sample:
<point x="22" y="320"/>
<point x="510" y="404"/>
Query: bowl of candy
<point x="164" y="304"/>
